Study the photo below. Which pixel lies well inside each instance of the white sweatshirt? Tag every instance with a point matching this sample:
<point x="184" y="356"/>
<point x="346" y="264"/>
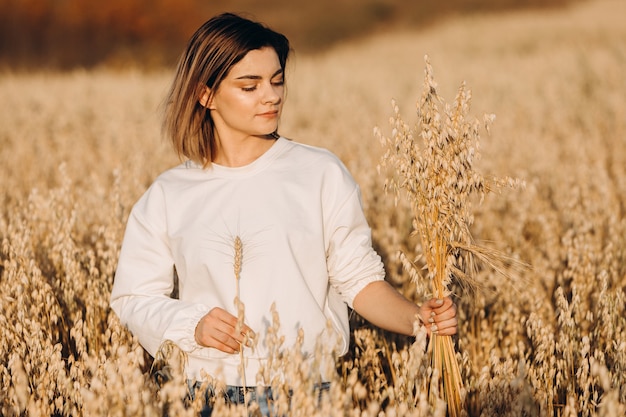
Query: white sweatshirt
<point x="306" y="247"/>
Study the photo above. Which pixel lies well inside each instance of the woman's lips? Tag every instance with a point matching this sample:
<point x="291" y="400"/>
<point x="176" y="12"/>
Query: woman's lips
<point x="269" y="114"/>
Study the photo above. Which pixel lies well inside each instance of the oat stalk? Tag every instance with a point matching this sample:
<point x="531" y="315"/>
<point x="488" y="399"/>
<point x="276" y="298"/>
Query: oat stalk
<point x="237" y="264"/>
<point x="439" y="181"/>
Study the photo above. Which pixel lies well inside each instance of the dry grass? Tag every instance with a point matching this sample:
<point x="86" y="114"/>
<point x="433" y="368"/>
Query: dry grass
<point x="78" y="149"/>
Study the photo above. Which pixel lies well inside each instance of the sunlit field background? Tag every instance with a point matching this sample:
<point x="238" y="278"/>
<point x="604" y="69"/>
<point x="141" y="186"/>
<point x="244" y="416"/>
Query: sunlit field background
<point x="78" y="148"/>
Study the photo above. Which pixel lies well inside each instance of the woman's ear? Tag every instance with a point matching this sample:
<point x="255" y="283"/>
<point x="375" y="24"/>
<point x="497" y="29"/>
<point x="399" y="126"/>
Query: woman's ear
<point x="205" y="99"/>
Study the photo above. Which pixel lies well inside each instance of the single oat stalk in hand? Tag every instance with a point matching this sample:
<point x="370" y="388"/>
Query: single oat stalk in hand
<point x="238" y="259"/>
<point x="438" y="179"/>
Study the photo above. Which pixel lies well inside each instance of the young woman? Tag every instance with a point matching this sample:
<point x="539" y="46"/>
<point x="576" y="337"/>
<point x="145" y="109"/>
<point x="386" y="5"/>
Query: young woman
<point x="249" y="215"/>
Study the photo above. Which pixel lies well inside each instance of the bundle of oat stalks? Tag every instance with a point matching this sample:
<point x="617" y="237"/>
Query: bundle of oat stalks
<point x="439" y="181"/>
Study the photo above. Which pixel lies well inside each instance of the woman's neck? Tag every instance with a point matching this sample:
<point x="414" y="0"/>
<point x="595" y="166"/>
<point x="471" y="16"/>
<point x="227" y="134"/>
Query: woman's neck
<point x="243" y="152"/>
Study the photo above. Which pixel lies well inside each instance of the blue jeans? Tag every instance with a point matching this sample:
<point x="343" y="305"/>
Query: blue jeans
<point x="236" y="395"/>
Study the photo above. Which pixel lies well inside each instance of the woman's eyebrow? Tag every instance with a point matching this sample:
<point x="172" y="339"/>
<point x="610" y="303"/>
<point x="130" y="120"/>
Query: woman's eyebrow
<point x="258" y="77"/>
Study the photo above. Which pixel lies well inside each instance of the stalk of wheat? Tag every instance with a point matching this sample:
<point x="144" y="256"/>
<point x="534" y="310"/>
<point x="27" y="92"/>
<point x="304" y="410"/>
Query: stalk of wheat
<point x="237" y="264"/>
<point x="439" y="180"/>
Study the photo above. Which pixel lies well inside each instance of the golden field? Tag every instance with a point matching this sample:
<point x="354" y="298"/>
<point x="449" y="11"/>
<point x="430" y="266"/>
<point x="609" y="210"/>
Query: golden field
<point x="77" y="149"/>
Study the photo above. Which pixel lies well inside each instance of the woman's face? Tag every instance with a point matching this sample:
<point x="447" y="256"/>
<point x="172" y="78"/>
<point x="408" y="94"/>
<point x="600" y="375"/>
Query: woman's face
<point x="249" y="100"/>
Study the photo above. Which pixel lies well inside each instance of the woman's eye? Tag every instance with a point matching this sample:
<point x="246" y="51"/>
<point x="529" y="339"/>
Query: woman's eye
<point x="250" y="88"/>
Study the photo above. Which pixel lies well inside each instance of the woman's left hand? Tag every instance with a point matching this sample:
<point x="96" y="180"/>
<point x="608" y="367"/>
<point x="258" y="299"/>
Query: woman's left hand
<point x="439" y="316"/>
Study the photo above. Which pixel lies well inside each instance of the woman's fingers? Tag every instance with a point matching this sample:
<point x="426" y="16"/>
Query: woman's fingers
<point x="219" y="329"/>
<point x="446" y="327"/>
<point x="439" y="316"/>
<point x="440" y="305"/>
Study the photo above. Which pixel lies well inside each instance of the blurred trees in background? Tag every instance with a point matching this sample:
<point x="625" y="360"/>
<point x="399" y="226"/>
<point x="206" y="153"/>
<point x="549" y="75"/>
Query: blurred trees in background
<point x="67" y="33"/>
<point x="64" y="34"/>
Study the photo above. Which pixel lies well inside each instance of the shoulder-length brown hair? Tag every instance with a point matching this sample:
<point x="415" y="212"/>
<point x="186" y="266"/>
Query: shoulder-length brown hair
<point x="217" y="45"/>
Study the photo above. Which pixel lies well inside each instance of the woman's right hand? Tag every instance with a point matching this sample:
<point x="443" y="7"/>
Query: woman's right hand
<point x="218" y="329"/>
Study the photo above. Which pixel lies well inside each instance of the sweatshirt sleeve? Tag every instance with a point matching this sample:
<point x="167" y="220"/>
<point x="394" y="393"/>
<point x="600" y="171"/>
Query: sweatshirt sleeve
<point x="351" y="260"/>
<point x="144" y="281"/>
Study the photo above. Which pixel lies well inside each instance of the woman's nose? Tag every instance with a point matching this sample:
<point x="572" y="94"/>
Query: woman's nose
<point x="272" y="93"/>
